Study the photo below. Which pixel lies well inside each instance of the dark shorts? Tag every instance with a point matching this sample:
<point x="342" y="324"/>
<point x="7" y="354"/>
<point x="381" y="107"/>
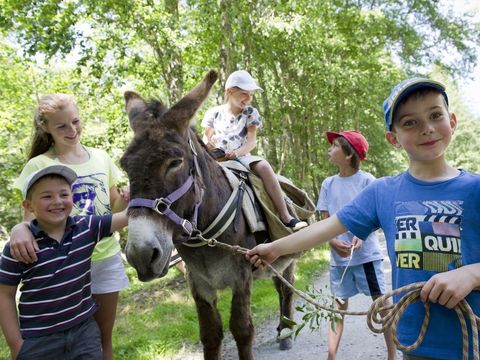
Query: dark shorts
<point x="79" y="342"/>
<point x="413" y="357"/>
<point x="367" y="279"/>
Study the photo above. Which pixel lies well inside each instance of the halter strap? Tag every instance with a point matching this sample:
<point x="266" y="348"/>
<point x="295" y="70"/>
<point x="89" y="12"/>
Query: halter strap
<point x="162" y="205"/>
<point x="221" y="222"/>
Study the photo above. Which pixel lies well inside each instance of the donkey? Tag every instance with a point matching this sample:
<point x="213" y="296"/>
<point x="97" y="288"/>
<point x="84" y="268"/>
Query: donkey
<point x="177" y="190"/>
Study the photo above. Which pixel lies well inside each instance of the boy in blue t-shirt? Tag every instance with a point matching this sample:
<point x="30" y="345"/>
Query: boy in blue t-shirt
<point x="429" y="214"/>
<point x="56" y="306"/>
<point x="355" y="265"/>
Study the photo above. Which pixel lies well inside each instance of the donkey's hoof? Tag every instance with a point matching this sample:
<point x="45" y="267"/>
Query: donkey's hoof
<point x="285" y="344"/>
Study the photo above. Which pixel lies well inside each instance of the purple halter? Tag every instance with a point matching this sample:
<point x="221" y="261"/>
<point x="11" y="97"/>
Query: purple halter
<point x="162" y="205"/>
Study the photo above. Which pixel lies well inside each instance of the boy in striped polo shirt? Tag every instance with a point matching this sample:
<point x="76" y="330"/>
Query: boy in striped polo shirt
<point x="56" y="307"/>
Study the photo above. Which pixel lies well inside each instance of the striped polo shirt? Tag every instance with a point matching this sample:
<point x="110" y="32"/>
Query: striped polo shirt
<point x="55" y="291"/>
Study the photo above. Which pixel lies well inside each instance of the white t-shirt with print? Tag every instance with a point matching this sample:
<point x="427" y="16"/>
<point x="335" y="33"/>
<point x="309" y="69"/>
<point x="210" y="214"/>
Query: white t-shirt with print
<point x="230" y="132"/>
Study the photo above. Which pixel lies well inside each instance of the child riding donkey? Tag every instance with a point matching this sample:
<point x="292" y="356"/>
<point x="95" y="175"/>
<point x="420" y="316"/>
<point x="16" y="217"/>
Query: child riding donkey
<point x="231" y="129"/>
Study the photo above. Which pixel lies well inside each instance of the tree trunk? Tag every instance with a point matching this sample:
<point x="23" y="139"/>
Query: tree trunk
<point x="227" y="62"/>
<point x="174" y="74"/>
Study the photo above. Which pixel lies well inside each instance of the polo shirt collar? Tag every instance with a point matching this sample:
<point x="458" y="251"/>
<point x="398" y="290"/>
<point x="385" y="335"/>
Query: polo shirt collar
<point x="39" y="232"/>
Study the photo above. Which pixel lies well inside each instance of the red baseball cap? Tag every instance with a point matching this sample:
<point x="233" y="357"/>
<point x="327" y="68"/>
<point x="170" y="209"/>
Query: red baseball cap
<point x="354" y="138"/>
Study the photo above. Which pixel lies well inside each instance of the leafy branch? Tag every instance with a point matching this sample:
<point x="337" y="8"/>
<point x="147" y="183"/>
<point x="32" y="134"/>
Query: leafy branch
<point x="312" y="315"/>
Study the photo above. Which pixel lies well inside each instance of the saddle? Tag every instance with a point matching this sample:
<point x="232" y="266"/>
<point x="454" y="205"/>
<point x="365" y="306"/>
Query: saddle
<point x="257" y="206"/>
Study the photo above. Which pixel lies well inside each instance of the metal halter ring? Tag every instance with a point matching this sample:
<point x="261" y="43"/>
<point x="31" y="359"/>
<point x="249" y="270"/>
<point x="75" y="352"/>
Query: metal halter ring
<point x="212" y="242"/>
<point x="161" y="202"/>
<point x="187" y="227"/>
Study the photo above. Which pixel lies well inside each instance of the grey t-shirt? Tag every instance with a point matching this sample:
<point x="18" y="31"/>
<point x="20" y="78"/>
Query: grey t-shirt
<point x="336" y="191"/>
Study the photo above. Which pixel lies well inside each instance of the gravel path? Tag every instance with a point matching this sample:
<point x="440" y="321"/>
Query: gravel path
<point x="358" y="342"/>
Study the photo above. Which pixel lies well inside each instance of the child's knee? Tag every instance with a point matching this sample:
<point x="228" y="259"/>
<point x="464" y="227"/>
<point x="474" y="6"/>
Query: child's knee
<point x="261" y="167"/>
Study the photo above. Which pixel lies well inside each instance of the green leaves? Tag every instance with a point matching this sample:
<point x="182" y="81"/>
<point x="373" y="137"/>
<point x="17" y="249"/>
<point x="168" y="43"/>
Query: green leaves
<point x="313" y="316"/>
<point x="324" y="65"/>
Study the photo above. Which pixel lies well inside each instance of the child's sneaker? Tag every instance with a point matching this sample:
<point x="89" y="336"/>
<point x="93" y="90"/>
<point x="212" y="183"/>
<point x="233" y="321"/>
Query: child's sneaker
<point x="296" y="224"/>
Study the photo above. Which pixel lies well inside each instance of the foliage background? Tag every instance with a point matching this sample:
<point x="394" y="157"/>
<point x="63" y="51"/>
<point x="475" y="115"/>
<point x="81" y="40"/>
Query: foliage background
<point x="324" y="65"/>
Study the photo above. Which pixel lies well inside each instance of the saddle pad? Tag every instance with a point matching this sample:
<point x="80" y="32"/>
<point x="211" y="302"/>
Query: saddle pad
<point x="234" y="165"/>
<point x="297" y="200"/>
<point x="254" y="220"/>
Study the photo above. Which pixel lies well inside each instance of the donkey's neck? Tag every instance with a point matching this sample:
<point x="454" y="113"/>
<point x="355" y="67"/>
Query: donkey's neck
<point x="217" y="189"/>
<point x="215" y="182"/>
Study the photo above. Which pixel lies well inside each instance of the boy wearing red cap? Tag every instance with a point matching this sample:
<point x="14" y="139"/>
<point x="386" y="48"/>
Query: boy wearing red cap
<point x="430" y="217"/>
<point x="355" y="266"/>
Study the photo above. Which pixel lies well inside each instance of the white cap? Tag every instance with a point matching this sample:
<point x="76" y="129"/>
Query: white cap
<point x="61" y="170"/>
<point x="243" y="80"/>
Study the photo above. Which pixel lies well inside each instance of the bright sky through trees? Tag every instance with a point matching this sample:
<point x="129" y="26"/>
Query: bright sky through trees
<point x="469" y="89"/>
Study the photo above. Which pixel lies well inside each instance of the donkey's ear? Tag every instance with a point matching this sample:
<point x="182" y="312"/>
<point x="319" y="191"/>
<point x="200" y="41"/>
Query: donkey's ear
<point x="182" y="112"/>
<point x="136" y="109"/>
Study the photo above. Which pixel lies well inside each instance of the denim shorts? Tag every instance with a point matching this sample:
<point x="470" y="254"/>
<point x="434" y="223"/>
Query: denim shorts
<point x="108" y="275"/>
<point x="247" y="160"/>
<point x="79" y="342"/>
<point x="365" y="278"/>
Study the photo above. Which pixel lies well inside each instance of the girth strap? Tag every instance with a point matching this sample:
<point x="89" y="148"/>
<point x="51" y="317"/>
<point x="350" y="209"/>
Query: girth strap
<point x="241" y="191"/>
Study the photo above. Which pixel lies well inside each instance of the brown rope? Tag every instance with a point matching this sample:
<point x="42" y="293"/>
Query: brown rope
<point x="381" y="318"/>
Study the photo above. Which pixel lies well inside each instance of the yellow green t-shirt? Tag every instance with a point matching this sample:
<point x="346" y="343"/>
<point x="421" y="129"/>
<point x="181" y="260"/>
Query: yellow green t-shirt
<point x="91" y="190"/>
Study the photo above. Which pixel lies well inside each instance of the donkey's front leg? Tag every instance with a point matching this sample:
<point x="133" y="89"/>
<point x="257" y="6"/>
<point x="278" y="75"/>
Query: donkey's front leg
<point x="241" y="324"/>
<point x="210" y="322"/>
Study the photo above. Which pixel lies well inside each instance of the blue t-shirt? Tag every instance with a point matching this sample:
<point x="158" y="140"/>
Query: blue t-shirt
<point x="430" y="227"/>
<point x="336" y="191"/>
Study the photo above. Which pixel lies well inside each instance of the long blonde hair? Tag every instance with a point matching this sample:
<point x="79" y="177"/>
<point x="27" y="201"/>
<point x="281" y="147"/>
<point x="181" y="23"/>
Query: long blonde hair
<point x="48" y="104"/>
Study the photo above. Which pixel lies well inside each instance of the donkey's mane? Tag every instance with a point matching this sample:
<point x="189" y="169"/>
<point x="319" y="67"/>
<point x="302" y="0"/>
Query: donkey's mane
<point x="156" y="107"/>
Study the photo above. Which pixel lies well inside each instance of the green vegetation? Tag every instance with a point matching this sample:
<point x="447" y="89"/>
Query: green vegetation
<point x="156" y="320"/>
<point x="324" y="65"/>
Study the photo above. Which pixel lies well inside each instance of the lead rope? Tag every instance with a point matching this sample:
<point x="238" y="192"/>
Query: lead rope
<point x="375" y="321"/>
<point x="344" y="272"/>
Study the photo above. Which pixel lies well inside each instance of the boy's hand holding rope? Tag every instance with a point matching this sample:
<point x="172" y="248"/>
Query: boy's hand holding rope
<point x="392" y="313"/>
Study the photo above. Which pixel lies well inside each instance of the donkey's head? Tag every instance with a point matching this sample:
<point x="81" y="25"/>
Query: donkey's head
<point x="159" y="161"/>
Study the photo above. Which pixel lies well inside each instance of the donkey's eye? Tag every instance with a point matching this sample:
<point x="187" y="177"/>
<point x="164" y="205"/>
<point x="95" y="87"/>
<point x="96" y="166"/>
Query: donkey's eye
<point x="174" y="164"/>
